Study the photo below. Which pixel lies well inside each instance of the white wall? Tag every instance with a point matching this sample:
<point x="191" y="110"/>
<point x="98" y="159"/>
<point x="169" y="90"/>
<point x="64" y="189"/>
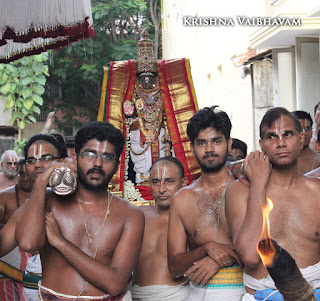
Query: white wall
<point x="210" y="49"/>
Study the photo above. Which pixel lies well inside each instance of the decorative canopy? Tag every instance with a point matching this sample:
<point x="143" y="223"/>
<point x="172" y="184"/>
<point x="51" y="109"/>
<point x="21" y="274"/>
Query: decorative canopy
<point x="30" y="27"/>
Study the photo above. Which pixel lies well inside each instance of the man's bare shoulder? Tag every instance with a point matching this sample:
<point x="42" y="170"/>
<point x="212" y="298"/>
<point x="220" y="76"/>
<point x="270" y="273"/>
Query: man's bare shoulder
<point x="147" y="210"/>
<point x="185" y="193"/>
<point x="126" y="208"/>
<point x="310" y="182"/>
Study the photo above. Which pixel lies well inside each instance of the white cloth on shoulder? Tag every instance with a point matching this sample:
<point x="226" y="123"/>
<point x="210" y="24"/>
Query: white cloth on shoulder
<point x="310" y="273"/>
<point x="202" y="294"/>
<point x="160" y="292"/>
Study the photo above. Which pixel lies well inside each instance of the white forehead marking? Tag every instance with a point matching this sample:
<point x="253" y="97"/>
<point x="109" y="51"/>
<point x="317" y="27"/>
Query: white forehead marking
<point x="164" y="171"/>
<point x="13" y="159"/>
<point x="158" y="172"/>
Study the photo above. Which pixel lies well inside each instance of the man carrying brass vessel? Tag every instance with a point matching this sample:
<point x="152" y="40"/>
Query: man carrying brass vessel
<point x="199" y="240"/>
<point x="89" y="241"/>
<point x="294" y="220"/>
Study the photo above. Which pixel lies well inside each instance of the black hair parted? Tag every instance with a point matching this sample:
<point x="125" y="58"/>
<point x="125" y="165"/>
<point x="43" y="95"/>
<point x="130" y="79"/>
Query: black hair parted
<point x="303" y="115"/>
<point x="272" y="115"/>
<point x="209" y="118"/>
<point x="102" y="131"/>
<point x="173" y="160"/>
<point x="57" y="141"/>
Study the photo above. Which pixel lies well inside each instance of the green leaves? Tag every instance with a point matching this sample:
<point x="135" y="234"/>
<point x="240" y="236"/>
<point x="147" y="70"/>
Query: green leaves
<point x="22" y="83"/>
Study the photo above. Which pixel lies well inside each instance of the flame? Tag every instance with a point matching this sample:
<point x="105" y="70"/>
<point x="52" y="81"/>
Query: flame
<point x="265" y="247"/>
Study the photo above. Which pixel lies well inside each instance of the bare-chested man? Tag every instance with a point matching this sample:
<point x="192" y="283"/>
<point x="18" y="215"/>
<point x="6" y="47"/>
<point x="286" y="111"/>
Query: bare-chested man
<point x="9" y="161"/>
<point x="294" y="220"/>
<point x="41" y="151"/>
<point x="199" y="241"/>
<point x="308" y="159"/>
<point x="89" y="241"/>
<point x="13" y="197"/>
<point x="152" y="279"/>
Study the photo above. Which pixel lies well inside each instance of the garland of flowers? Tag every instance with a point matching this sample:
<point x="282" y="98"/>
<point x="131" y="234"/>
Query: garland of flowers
<point x="130" y="193"/>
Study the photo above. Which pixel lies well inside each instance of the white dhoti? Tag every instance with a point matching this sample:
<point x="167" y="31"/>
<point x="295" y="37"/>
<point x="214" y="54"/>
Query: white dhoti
<point x="311" y="274"/>
<point x="33" y="266"/>
<point x="160" y="292"/>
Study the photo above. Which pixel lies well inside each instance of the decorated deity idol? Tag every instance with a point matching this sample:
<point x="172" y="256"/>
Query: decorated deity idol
<point x="151" y="102"/>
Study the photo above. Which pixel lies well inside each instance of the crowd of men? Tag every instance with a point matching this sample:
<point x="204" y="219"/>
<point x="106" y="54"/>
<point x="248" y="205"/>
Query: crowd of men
<point x="200" y="240"/>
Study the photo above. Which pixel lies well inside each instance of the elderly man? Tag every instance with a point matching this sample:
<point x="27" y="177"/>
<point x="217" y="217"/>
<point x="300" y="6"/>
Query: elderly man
<point x="89" y="241"/>
<point x="152" y="279"/>
<point x="9" y="161"/>
<point x="294" y="220"/>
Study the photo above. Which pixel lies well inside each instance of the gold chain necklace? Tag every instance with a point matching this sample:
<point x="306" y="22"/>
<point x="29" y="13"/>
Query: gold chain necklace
<point x="90" y="236"/>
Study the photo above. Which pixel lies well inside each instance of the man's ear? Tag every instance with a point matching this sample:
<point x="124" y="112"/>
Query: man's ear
<point x="74" y="158"/>
<point x="317" y="146"/>
<point x="192" y="148"/>
<point x="301" y="138"/>
<point x="261" y="144"/>
<point x="184" y="182"/>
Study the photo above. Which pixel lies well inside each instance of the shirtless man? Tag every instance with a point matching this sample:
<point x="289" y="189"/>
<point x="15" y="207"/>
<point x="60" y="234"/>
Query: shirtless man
<point x="294" y="220"/>
<point x="89" y="241"/>
<point x="152" y="279"/>
<point x="13" y="197"/>
<point x="199" y="241"/>
<point x="308" y="159"/>
<point x="36" y="163"/>
<point x="9" y="161"/>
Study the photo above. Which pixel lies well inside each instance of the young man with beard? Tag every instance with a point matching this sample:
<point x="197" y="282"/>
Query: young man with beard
<point x="89" y="241"/>
<point x="40" y="151"/>
<point x="199" y="240"/>
<point x="9" y="161"/>
<point x="308" y="159"/>
<point x="152" y="279"/>
<point x="294" y="219"/>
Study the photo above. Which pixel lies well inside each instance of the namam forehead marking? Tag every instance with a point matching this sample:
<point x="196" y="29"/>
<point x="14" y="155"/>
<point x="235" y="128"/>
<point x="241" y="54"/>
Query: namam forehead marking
<point x="101" y="146"/>
<point x="280" y="127"/>
<point x="37" y="150"/>
<point x="161" y="173"/>
<point x="13" y="159"/>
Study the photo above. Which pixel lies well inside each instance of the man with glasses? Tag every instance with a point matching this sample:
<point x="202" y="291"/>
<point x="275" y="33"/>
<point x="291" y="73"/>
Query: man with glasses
<point x="89" y="241"/>
<point x="40" y="151"/>
<point x="308" y="159"/>
<point x="9" y="161"/>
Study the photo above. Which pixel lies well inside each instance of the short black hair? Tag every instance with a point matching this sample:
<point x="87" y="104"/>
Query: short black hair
<point x="102" y="131"/>
<point x="209" y="118"/>
<point x="303" y="115"/>
<point x="56" y="141"/>
<point x="239" y="144"/>
<point x="70" y="144"/>
<point x="272" y="115"/>
<point x="173" y="160"/>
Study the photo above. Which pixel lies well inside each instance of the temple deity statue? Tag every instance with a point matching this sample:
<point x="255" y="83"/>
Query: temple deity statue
<point x="151" y="102"/>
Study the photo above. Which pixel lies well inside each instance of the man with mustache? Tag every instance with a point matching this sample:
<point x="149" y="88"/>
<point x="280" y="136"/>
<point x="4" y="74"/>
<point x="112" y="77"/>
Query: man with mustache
<point x="308" y="159"/>
<point x="40" y="151"/>
<point x="199" y="240"/>
<point x="89" y="241"/>
<point x="152" y="279"/>
<point x="294" y="219"/>
<point x="9" y="161"/>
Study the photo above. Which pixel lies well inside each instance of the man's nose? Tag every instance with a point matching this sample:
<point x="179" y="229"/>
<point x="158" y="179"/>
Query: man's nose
<point x="162" y="187"/>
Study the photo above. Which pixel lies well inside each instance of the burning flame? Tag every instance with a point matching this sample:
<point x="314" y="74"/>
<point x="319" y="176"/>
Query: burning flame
<point x="265" y="247"/>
